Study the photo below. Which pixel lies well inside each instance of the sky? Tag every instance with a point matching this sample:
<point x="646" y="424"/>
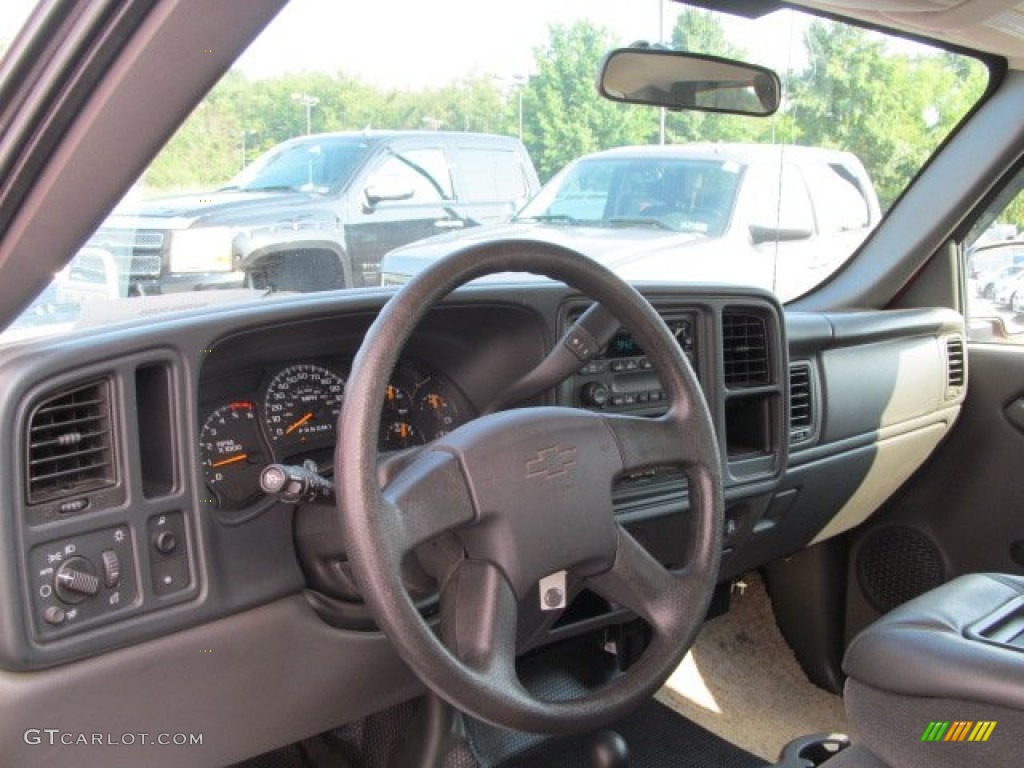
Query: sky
<point x="422" y="43"/>
<point x="415" y="43"/>
<point x="474" y="37"/>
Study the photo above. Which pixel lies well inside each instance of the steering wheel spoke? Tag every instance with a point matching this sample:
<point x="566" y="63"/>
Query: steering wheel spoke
<point x="646" y="443"/>
<point x="478" y="620"/>
<point x="429" y="497"/>
<point x="639" y="582"/>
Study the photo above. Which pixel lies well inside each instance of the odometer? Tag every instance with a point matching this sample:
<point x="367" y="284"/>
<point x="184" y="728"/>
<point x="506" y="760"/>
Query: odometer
<point x="302" y="404"/>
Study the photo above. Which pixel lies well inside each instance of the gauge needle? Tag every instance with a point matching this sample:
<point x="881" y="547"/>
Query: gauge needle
<point x="299" y="423"/>
<point x="232" y="460"/>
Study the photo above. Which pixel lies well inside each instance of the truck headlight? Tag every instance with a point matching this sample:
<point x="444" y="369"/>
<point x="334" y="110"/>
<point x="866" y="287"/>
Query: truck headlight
<point x="203" y="249"/>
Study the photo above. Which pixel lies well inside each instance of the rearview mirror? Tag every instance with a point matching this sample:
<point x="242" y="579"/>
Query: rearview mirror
<point x="681" y="80"/>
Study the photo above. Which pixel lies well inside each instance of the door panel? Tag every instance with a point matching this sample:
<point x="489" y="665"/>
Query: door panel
<point x="964" y="510"/>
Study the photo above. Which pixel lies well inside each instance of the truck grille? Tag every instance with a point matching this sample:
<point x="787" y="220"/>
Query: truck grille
<point x="137" y="252"/>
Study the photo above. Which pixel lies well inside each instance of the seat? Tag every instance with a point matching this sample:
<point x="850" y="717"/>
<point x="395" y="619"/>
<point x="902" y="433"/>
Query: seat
<point x="939" y="681"/>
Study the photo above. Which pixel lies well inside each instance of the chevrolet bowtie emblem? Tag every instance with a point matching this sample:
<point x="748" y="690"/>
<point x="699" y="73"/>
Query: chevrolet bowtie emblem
<point x="552" y="462"/>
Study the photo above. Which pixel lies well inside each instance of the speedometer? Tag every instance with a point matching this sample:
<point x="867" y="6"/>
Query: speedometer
<point x="302" y="404"/>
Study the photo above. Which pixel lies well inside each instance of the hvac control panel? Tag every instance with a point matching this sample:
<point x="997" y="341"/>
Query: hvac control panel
<point x="621" y="378"/>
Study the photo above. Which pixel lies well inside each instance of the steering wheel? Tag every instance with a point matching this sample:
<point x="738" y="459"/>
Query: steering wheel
<point x="516" y="496"/>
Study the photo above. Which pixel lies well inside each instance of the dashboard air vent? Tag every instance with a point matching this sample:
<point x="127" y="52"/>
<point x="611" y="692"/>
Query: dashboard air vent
<point x="801" y="403"/>
<point x="745" y="350"/>
<point x="955" y="362"/>
<point x="70" y="444"/>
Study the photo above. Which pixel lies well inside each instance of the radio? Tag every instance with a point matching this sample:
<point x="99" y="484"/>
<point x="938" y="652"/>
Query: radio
<point x="621" y="378"/>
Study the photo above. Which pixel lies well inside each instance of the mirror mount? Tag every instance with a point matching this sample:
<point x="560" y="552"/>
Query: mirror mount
<point x="680" y="80"/>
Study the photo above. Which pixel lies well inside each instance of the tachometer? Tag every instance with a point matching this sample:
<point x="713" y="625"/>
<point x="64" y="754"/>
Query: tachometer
<point x="232" y="452"/>
<point x="302" y="404"/>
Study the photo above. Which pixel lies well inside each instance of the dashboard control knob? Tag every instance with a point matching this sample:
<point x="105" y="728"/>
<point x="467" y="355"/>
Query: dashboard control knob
<point x="165" y="542"/>
<point x="54" y="614"/>
<point x="594" y="394"/>
<point x="76" y="580"/>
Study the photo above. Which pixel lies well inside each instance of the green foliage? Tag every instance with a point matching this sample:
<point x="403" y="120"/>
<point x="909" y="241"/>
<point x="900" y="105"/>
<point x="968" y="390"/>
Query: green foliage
<point x="563" y="116"/>
<point x="891" y="110"/>
<point x="1014" y="212"/>
<point x="701" y="31"/>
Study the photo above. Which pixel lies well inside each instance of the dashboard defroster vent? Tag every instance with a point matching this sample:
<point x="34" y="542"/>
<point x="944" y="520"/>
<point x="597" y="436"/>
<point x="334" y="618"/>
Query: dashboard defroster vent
<point x="745" y="350"/>
<point x="801" y="403"/>
<point x="70" y="444"/>
<point x="955" y="373"/>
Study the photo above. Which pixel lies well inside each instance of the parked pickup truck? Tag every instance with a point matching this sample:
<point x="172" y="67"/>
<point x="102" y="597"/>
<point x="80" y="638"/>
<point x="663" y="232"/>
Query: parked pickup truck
<point x="778" y="217"/>
<point x="318" y="212"/>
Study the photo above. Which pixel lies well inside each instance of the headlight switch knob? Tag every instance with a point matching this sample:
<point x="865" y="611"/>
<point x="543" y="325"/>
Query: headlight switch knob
<point x="76" y="580"/>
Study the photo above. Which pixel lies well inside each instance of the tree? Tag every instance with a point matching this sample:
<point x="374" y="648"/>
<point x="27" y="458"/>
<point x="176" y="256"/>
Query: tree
<point x="700" y="31"/>
<point x="889" y="109"/>
<point x="564" y="117"/>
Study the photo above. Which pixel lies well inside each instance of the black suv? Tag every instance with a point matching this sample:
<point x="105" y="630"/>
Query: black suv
<point x="318" y="212"/>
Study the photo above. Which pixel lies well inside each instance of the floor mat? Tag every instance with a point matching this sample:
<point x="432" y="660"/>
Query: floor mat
<point x="657" y="738"/>
<point x="742" y="682"/>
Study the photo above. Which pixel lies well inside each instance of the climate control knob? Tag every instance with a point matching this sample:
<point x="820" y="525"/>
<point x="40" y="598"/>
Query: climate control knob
<point x="76" y="580"/>
<point x="594" y="394"/>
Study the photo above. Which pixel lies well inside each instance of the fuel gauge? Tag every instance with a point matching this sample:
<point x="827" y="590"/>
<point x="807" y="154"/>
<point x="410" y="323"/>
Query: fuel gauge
<point x="398" y="435"/>
<point x="232" y="452"/>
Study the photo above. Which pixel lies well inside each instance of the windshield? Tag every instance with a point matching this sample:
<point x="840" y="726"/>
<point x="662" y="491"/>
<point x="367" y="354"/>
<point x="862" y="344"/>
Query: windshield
<point x="678" y="194"/>
<point x="477" y="124"/>
<point x="322" y="165"/>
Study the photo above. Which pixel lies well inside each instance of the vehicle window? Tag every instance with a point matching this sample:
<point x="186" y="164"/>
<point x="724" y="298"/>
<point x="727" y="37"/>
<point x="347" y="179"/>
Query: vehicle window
<point x="311" y="166"/>
<point x="781" y="200"/>
<point x="842" y="206"/>
<point x="422" y="172"/>
<point x="674" y="193"/>
<point x="994" y="265"/>
<point x="249" y="189"/>
<point x="795" y="210"/>
<point x="491" y="174"/>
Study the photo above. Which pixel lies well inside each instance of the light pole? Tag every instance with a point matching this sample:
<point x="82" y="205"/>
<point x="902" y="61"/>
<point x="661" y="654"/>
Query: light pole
<point x="519" y="82"/>
<point x="245" y="140"/>
<point x="308" y="102"/>
<point x="661" y="39"/>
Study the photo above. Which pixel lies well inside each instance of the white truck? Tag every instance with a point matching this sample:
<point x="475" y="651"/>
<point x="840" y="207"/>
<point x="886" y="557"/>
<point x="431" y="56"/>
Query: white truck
<point x="774" y="216"/>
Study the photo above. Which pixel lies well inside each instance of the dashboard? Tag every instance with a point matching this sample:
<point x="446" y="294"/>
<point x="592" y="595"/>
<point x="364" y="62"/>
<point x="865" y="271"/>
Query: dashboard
<point x="153" y="519"/>
<point x="136" y="539"/>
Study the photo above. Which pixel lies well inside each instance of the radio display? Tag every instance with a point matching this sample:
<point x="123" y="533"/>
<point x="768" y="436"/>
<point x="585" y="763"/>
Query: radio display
<point x="623" y="345"/>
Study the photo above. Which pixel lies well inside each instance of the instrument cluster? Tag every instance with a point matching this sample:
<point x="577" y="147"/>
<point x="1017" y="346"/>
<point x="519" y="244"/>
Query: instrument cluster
<point x="292" y="417"/>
